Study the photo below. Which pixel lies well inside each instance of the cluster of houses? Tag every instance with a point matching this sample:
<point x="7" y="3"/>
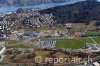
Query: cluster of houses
<point x="33" y="18"/>
<point x="93" y="47"/>
<point x="39" y="21"/>
<point x="46" y="44"/>
<point x="26" y="18"/>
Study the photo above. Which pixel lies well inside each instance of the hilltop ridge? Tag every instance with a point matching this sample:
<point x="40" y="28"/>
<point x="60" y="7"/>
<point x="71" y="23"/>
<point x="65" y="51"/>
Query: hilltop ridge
<point x="83" y="11"/>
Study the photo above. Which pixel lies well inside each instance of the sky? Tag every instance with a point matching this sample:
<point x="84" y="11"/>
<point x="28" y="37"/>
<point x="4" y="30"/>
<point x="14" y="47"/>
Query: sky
<point x="98" y="0"/>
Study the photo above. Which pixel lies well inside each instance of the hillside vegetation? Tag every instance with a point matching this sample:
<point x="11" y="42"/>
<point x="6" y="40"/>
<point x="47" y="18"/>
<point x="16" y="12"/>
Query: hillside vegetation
<point x="82" y="12"/>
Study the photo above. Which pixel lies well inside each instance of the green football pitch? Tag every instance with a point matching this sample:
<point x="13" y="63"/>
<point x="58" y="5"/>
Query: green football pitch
<point x="73" y="43"/>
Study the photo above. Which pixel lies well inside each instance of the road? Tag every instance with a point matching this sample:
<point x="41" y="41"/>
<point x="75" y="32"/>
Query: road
<point x="93" y="40"/>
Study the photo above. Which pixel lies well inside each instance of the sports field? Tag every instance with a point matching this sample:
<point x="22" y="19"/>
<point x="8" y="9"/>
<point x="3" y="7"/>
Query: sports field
<point x="73" y="43"/>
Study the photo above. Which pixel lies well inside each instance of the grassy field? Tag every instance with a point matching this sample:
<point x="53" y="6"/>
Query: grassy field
<point x="16" y="44"/>
<point x="44" y="28"/>
<point x="73" y="43"/>
<point x="77" y="26"/>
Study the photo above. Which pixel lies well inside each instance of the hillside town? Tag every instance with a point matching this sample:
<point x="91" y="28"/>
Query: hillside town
<point x="26" y="34"/>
